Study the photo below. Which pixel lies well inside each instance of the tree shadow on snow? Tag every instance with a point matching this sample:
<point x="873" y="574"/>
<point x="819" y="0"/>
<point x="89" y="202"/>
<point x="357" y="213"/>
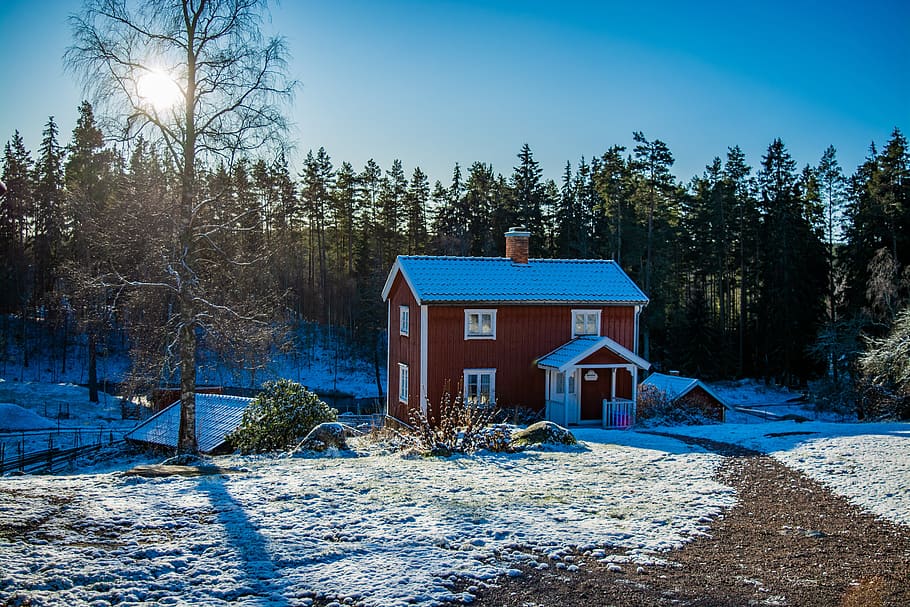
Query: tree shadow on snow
<point x="244" y="537"/>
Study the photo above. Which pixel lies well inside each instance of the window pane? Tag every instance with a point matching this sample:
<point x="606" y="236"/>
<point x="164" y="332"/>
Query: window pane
<point x="571" y="384"/>
<point x="484" y="388"/>
<point x="473" y="324"/>
<point x="560" y="383"/>
<point x="579" y="324"/>
<point x="592" y="324"/>
<point x="487" y="328"/>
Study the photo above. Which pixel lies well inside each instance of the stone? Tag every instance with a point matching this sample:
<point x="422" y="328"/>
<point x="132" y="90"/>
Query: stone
<point x="542" y="433"/>
<point x="328" y="435"/>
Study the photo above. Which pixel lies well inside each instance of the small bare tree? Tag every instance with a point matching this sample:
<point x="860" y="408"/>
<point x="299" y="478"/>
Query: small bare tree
<point x="197" y="77"/>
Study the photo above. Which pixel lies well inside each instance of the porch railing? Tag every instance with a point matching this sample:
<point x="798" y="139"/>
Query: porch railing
<point x="618" y="413"/>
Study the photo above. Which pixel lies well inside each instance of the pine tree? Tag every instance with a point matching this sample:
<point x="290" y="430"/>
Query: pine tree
<point x="16" y="215"/>
<point x="656" y="193"/>
<point x="612" y="179"/>
<point x="792" y="267"/>
<point x="744" y="238"/>
<point x="527" y="201"/>
<point x="318" y="182"/>
<point x="49" y="205"/>
<point x="91" y="176"/>
<point x="416" y="200"/>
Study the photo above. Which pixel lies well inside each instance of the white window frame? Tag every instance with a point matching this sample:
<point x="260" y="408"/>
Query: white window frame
<point x="597" y="314"/>
<point x="480" y="372"/>
<point x="404" y="320"/>
<point x="404" y="377"/>
<point x="480" y="312"/>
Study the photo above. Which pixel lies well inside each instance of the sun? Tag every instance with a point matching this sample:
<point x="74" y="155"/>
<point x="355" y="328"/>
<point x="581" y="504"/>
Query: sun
<point x="158" y="89"/>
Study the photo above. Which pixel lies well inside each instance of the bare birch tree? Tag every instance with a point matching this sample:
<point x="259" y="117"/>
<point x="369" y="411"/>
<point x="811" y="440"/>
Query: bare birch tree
<point x="197" y="77"/>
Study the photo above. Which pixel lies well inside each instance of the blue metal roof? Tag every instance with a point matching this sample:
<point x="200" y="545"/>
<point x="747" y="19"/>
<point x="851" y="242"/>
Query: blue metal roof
<point x="576" y="350"/>
<point x="217" y="415"/>
<point x="499" y="279"/>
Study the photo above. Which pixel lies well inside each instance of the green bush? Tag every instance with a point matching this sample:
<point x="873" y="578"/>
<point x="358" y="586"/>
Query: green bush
<point x="279" y="418"/>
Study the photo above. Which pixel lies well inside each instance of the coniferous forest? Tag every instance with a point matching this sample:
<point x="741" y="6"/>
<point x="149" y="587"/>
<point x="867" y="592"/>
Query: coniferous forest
<point x="775" y="267"/>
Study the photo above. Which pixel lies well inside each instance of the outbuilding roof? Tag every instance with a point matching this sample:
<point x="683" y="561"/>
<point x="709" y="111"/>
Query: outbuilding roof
<point x="676" y="387"/>
<point x="217" y="415"/>
<point x="578" y="349"/>
<point x="437" y="279"/>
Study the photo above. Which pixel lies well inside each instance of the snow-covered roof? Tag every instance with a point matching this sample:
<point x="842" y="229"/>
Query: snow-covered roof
<point x="576" y="350"/>
<point x="499" y="279"/>
<point x="675" y="386"/>
<point x="217" y="415"/>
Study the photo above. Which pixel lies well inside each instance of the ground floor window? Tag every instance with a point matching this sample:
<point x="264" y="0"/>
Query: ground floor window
<point x="480" y="386"/>
<point x="402" y="382"/>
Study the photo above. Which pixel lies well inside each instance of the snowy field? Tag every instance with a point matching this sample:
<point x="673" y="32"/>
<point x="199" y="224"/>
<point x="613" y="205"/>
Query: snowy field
<point x="379" y="528"/>
<point x="869" y="464"/>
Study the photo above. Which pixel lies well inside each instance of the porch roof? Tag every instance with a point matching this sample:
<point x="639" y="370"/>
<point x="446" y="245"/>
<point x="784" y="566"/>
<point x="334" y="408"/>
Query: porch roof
<point x="572" y="352"/>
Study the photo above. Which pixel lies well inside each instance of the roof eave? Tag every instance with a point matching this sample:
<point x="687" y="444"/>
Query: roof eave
<point x="390" y="280"/>
<point x="429" y="300"/>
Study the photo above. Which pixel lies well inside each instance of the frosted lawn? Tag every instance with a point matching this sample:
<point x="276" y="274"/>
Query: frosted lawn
<point x="381" y="529"/>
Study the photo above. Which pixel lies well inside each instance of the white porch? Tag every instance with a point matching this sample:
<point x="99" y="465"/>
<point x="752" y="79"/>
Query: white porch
<point x="592" y="380"/>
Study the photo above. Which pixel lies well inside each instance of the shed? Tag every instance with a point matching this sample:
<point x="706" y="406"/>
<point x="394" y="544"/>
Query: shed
<point x="217" y="415"/>
<point x="689" y="392"/>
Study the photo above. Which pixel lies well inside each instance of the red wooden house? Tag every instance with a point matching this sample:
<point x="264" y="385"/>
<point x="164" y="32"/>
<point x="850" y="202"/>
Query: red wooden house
<point x="557" y="335"/>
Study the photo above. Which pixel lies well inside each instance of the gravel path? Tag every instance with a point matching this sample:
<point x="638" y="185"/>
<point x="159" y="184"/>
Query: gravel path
<point x="788" y="541"/>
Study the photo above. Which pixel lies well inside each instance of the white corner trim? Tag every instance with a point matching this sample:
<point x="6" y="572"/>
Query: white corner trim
<point x="635" y="335"/>
<point x="388" y="355"/>
<point x="424" y="344"/>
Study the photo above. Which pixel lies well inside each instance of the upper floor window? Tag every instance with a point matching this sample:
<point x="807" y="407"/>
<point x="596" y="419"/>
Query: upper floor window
<point x="403" y="378"/>
<point x="480" y="324"/>
<point x="480" y="387"/>
<point x="585" y="322"/>
<point x="404" y="320"/>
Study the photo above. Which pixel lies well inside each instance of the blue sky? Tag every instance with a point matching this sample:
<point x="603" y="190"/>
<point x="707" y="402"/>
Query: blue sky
<point x="433" y="83"/>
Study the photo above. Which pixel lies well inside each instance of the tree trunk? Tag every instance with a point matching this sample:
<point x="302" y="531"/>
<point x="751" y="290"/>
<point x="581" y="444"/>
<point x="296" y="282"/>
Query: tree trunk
<point x="186" y="442"/>
<point x="92" y="368"/>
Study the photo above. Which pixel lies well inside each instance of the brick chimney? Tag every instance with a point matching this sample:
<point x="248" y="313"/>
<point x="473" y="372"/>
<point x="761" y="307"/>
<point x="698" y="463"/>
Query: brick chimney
<point x="517" y="239"/>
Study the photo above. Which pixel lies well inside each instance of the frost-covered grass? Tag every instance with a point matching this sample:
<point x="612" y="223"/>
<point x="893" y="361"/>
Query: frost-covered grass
<point x="382" y="529"/>
<point x="869" y="464"/>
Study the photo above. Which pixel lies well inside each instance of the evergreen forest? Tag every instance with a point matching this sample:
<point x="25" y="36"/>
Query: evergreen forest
<point x="777" y="268"/>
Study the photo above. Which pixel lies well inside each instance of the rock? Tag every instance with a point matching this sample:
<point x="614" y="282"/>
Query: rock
<point x="328" y="435"/>
<point x="542" y="433"/>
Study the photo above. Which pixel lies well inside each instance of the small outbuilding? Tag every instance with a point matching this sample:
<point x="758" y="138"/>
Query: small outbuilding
<point x="217" y="415"/>
<point x="688" y="392"/>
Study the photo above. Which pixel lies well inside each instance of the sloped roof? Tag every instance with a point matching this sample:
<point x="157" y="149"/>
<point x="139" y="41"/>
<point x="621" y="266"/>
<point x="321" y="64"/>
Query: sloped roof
<point x="675" y="386"/>
<point x="499" y="279"/>
<point x="571" y="352"/>
<point x="217" y="415"/>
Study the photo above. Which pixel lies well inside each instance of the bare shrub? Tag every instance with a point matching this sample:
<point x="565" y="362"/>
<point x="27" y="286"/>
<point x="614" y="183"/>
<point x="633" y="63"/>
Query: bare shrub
<point x="461" y="428"/>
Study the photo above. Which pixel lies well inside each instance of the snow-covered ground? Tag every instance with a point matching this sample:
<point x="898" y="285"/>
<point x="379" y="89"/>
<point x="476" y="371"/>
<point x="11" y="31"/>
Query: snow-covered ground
<point x="385" y="529"/>
<point x="868" y="463"/>
<point x="776" y="400"/>
<point x="380" y="528"/>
